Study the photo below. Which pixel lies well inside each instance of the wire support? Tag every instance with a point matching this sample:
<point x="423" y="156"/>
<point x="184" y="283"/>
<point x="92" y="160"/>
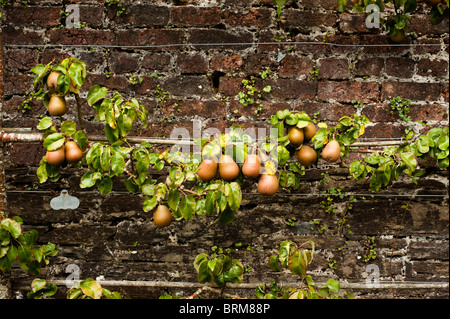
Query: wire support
<point x="169" y="45"/>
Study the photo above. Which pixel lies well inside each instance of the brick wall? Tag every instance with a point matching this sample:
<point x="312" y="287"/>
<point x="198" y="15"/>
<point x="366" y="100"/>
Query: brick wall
<point x="203" y="81"/>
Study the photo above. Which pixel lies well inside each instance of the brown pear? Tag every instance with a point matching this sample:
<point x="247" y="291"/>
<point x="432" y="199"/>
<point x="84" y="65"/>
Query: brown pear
<point x="57" y="105"/>
<point x="162" y="217"/>
<point x="207" y="169"/>
<point x="56" y="157"/>
<point x="268" y="184"/>
<point x="228" y="169"/>
<point x="331" y="151"/>
<point x="306" y="156"/>
<point x="296" y="136"/>
<point x="52" y="81"/>
<point x="252" y="166"/>
<point x="309" y="131"/>
<point x="73" y="152"/>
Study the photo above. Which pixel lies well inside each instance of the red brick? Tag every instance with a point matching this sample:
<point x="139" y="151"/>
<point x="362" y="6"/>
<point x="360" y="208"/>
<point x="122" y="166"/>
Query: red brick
<point x="230" y="86"/>
<point x="334" y="68"/>
<point x="400" y="67"/>
<point x="195" y="16"/>
<point x="434" y="68"/>
<point x="355" y="23"/>
<point x="260" y="18"/>
<point x="81" y="36"/>
<point x="192" y="63"/>
<point x="347" y="91"/>
<point x="21" y="59"/>
<point x="292" y="89"/>
<point x="142" y="15"/>
<point x="421" y="24"/>
<point x="411" y="90"/>
<point x="213" y="36"/>
<point x="122" y="62"/>
<point x="369" y="66"/>
<point x="226" y="63"/>
<point x="295" y="66"/>
<point x="33" y="15"/>
<point x="156" y="62"/>
<point x="150" y="37"/>
<point x="307" y="20"/>
<point x="194" y="107"/>
<point x="329" y="111"/>
<point x="16" y="35"/>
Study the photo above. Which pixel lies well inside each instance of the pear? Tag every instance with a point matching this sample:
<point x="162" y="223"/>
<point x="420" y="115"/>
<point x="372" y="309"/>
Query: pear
<point x="306" y="156"/>
<point x="56" y="157"/>
<point x="162" y="216"/>
<point x="331" y="151"/>
<point x="296" y="136"/>
<point x="268" y="184"/>
<point x="52" y="81"/>
<point x="57" y="105"/>
<point x="252" y="166"/>
<point x="207" y="169"/>
<point x="228" y="169"/>
<point x="73" y="152"/>
<point x="309" y="131"/>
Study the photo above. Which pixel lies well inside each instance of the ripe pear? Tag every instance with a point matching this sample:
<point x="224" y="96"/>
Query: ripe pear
<point x="207" y="169"/>
<point x="399" y="36"/>
<point x="162" y="217"/>
<point x="268" y="184"/>
<point x="228" y="169"/>
<point x="309" y="131"/>
<point x="252" y="166"/>
<point x="306" y="156"/>
<point x="331" y="151"/>
<point x="52" y="81"/>
<point x="57" y="105"/>
<point x="296" y="136"/>
<point x="56" y="157"/>
<point x="73" y="152"/>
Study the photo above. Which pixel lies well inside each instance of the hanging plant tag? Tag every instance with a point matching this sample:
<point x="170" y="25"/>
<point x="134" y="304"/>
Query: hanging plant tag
<point x="64" y="201"/>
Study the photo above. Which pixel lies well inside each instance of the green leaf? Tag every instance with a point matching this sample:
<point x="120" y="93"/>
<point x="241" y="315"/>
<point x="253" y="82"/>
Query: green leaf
<point x="12" y="226"/>
<point x="38" y="284"/>
<point x="273" y="263"/>
<point x="117" y="163"/>
<point x="233" y="195"/>
<point x="41" y="173"/>
<point x="105" y="185"/>
<point x="297" y="264"/>
<point x="187" y="207"/>
<point x="173" y="199"/>
<point x="199" y="259"/>
<point x="409" y="159"/>
<point x="443" y="142"/>
<point x="45" y="123"/>
<point x="150" y="202"/>
<point x="91" y="288"/>
<point x="68" y="128"/>
<point x="333" y="285"/>
<point x="226" y="217"/>
<point x="209" y="205"/>
<point x="77" y="73"/>
<point x="89" y="179"/>
<point x="282" y="114"/>
<point x="81" y="138"/>
<point x="95" y="94"/>
<point x="54" y="141"/>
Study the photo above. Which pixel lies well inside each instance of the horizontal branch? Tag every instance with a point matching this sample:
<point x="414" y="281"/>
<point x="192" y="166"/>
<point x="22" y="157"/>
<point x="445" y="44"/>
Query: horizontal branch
<point x="11" y="137"/>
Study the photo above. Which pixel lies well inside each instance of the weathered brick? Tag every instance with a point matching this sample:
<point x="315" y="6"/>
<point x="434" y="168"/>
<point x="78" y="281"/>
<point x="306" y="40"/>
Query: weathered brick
<point x="347" y="91"/>
<point x="295" y="66"/>
<point x="81" y="36"/>
<point x="156" y="62"/>
<point x="192" y="63"/>
<point x="122" y="62"/>
<point x="292" y="89"/>
<point x="411" y="90"/>
<point x="143" y="15"/>
<point x="334" y="68"/>
<point x="33" y="15"/>
<point x="195" y="16"/>
<point x="369" y="66"/>
<point x="433" y="68"/>
<point x="306" y="20"/>
<point x="260" y="18"/>
<point x="150" y="37"/>
<point x="201" y="36"/>
<point x="400" y="67"/>
<point x="226" y="63"/>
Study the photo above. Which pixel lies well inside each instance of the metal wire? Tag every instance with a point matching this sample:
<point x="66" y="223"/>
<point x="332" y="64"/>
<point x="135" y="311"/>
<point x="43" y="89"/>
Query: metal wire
<point x="302" y="43"/>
